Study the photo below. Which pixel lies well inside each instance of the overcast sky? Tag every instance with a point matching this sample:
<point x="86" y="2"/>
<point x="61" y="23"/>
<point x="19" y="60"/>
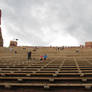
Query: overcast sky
<point x="47" y="22"/>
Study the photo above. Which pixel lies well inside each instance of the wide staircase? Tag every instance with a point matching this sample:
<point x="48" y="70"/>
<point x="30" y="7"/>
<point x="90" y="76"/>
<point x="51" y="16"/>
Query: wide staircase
<point x="63" y="69"/>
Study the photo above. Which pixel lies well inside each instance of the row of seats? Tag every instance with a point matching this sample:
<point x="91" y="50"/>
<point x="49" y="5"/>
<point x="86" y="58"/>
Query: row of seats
<point x="59" y="70"/>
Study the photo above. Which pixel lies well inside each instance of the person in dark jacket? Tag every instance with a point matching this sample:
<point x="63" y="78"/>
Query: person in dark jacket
<point x="29" y="55"/>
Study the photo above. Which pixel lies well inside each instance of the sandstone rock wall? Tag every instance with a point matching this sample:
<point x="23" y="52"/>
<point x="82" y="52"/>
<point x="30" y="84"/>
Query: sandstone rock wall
<point x="1" y="39"/>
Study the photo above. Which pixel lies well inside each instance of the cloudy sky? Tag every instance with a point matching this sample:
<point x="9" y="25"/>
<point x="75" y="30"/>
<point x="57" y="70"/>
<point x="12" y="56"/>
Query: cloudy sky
<point x="47" y="22"/>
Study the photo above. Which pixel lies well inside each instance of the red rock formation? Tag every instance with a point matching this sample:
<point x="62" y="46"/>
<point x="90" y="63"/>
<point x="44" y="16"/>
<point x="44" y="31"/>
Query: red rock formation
<point x="88" y="44"/>
<point x="13" y="43"/>
<point x="0" y="17"/>
<point x="1" y="39"/>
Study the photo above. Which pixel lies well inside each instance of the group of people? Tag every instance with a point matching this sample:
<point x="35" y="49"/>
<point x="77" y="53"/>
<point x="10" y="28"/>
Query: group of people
<point x="42" y="57"/>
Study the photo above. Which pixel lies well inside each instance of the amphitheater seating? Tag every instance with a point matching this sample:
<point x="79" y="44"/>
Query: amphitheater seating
<point x="64" y="68"/>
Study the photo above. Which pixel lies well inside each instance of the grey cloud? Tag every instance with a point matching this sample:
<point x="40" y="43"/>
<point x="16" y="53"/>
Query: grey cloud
<point x="40" y="22"/>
